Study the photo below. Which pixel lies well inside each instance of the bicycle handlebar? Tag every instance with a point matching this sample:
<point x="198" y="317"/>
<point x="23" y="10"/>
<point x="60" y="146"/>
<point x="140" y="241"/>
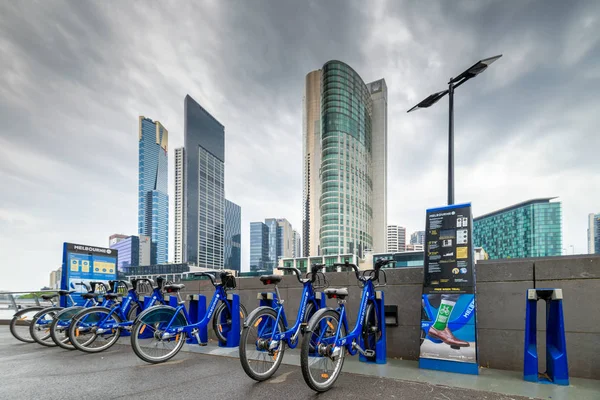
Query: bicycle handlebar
<point x="348" y="265"/>
<point x="314" y="270"/>
<point x="295" y="270"/>
<point x="135" y="282"/>
<point x="85" y="285"/>
<point x="209" y="275"/>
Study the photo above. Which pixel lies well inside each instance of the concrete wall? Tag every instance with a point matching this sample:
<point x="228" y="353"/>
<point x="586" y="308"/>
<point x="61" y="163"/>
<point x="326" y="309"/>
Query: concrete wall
<point x="501" y="291"/>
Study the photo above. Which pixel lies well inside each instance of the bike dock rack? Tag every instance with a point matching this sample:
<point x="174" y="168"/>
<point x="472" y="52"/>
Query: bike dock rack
<point x="267" y="299"/>
<point x="557" y="367"/>
<point x="381" y="345"/>
<point x="233" y="335"/>
<point x="197" y="311"/>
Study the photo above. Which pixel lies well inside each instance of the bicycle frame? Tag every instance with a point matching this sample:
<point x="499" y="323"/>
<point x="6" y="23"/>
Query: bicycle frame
<point x="368" y="294"/>
<point x="289" y="335"/>
<point x="219" y="295"/>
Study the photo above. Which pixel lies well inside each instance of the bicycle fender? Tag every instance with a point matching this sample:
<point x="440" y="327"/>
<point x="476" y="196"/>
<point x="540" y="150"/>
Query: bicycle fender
<point x="95" y="308"/>
<point x="313" y="320"/>
<point x="253" y="313"/>
<point x="180" y="318"/>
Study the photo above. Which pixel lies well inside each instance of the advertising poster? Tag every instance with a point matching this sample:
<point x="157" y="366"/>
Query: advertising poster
<point x="448" y="330"/>
<point x="83" y="263"/>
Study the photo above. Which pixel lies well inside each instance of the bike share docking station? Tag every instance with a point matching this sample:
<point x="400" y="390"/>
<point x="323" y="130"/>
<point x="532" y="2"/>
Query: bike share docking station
<point x="381" y="344"/>
<point x="197" y="311"/>
<point x="557" y="367"/>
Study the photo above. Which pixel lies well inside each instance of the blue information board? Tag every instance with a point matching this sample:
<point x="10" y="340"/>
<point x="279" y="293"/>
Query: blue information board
<point x="85" y="264"/>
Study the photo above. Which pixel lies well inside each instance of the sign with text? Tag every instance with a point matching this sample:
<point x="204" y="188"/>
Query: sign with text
<point x="448" y="313"/>
<point x="85" y="264"/>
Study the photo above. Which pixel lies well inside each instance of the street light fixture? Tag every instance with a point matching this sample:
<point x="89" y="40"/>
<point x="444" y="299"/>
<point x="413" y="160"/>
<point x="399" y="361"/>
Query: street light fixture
<point x="430" y="100"/>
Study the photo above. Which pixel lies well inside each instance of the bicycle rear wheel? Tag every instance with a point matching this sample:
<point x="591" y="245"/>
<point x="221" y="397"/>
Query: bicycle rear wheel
<point x="40" y="326"/>
<point x="154" y="338"/>
<point x="222" y="321"/>
<point x="94" y="329"/>
<point x="321" y="362"/>
<point x="20" y="322"/>
<point x="260" y="357"/>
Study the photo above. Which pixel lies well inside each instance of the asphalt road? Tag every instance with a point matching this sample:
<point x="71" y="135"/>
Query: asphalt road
<point x="30" y="371"/>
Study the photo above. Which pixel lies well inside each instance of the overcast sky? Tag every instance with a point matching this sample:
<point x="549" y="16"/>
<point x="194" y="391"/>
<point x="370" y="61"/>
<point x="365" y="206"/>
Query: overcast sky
<point x="75" y="76"/>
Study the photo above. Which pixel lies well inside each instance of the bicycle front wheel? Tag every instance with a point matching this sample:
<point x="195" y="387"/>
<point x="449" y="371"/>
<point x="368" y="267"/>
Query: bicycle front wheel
<point x="20" y="322"/>
<point x="40" y="326"/>
<point x="95" y="329"/>
<point x="259" y="355"/>
<point x="59" y="328"/>
<point x="222" y="321"/>
<point x="371" y="332"/>
<point x="320" y="360"/>
<point x="157" y="335"/>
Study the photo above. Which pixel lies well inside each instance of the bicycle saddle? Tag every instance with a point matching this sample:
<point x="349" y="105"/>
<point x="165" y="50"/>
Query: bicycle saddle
<point x="270" y="279"/>
<point x="49" y="296"/>
<point x="333" y="293"/>
<point x="111" y="296"/>
<point x="65" y="292"/>
<point x="174" y="287"/>
<point x="88" y="296"/>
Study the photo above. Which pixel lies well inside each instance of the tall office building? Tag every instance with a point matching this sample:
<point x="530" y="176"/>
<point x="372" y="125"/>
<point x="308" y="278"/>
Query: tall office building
<point x="145" y="250"/>
<point x="269" y="242"/>
<point x="232" y="235"/>
<point x="179" y="196"/>
<point x="532" y="228"/>
<point x="128" y="252"/>
<point x="593" y="234"/>
<point x="203" y="201"/>
<point x="311" y="143"/>
<point x="259" y="247"/>
<point x="153" y="204"/>
<point x="297" y="244"/>
<point x="345" y="142"/>
<point x="396" y="239"/>
<point x="417" y="237"/>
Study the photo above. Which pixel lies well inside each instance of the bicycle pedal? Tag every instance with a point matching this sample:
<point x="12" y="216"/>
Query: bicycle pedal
<point x="369" y="353"/>
<point x="203" y="344"/>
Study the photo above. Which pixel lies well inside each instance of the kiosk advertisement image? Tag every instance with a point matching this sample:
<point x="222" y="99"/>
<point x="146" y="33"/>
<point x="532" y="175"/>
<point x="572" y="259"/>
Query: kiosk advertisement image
<point x="448" y="333"/>
<point x="83" y="263"/>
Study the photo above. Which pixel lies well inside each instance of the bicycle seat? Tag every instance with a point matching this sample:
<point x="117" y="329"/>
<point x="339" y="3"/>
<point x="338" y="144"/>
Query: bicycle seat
<point x="65" y="292"/>
<point x="270" y="279"/>
<point x="333" y="293"/>
<point x="174" y="287"/>
<point x="89" y="296"/>
<point x="111" y="296"/>
<point x="49" y="296"/>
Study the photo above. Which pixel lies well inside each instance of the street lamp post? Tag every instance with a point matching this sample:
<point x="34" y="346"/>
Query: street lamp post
<point x="430" y="100"/>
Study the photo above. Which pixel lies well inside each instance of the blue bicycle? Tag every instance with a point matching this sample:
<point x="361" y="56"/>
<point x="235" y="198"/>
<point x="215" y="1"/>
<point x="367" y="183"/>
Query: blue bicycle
<point x="160" y="332"/>
<point x="326" y="340"/>
<point x="96" y="329"/>
<point x="266" y="332"/>
<point x="40" y="323"/>
<point x="59" y="327"/>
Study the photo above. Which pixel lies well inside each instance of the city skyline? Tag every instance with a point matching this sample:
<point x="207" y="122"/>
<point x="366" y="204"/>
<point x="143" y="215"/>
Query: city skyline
<point x="71" y="98"/>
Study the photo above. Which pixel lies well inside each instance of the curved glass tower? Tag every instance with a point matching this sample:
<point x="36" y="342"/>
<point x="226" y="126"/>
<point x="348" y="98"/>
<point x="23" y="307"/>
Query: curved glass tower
<point x="346" y="162"/>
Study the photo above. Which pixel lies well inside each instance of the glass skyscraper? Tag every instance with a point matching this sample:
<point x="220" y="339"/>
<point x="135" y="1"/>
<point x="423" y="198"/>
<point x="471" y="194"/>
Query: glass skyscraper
<point x="593" y="234"/>
<point x="529" y="229"/>
<point x="353" y="180"/>
<point x="128" y="252"/>
<point x="259" y="247"/>
<point x="153" y="203"/>
<point x="203" y="164"/>
<point x="232" y="236"/>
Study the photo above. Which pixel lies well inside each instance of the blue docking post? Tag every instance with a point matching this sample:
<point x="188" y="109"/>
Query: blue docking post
<point x="381" y="345"/>
<point x="557" y="367"/>
<point x="321" y="300"/>
<point x="266" y="299"/>
<point x="197" y="311"/>
<point x="233" y="333"/>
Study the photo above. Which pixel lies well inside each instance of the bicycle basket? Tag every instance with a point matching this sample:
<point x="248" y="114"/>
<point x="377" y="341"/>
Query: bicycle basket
<point x="228" y="281"/>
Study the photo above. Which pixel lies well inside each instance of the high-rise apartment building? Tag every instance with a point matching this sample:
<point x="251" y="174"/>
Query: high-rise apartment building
<point x="417" y="237"/>
<point x="202" y="172"/>
<point x="532" y="228"/>
<point x="297" y="244"/>
<point x="232" y="236"/>
<point x="396" y="238"/>
<point x="153" y="203"/>
<point x="593" y="234"/>
<point x="179" y="196"/>
<point x="259" y="247"/>
<point x="311" y="143"/>
<point x="285" y="239"/>
<point x="345" y="162"/>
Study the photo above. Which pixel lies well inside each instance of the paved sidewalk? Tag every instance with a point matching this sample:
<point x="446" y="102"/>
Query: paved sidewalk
<point x="30" y="371"/>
